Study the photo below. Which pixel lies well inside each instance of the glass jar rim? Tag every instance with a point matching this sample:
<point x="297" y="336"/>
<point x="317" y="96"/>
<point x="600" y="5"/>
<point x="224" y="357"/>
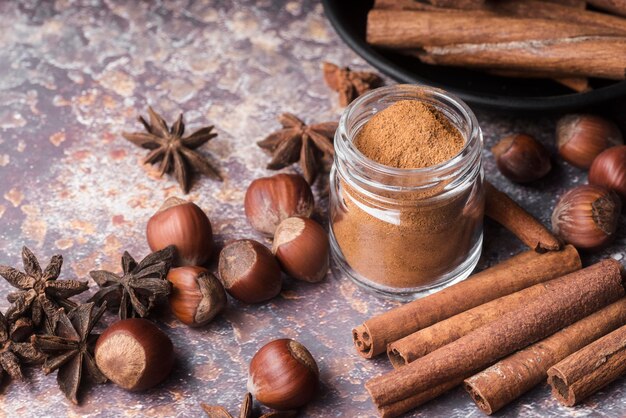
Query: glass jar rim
<point x="345" y="145"/>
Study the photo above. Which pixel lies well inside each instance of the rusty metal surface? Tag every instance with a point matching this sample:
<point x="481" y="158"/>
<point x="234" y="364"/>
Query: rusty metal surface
<point x="73" y="75"/>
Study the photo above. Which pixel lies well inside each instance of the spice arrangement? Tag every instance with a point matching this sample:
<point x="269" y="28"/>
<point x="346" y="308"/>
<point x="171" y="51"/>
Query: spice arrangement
<point x="404" y="172"/>
<point x="538" y="315"/>
<point x="528" y="39"/>
<point x="44" y="326"/>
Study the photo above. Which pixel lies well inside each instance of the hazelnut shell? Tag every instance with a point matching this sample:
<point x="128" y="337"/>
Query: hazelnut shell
<point x="270" y="200"/>
<point x="283" y="375"/>
<point x="580" y="138"/>
<point x="134" y="354"/>
<point x="183" y="224"/>
<point x="587" y="217"/>
<point x="197" y="295"/>
<point x="609" y="170"/>
<point x="249" y="271"/>
<point x="302" y="248"/>
<point x="521" y="158"/>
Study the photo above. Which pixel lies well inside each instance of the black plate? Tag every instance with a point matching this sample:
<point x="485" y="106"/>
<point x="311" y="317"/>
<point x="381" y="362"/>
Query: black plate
<point x="497" y="93"/>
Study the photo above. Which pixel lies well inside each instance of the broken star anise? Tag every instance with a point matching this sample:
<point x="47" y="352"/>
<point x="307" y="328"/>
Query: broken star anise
<point x="174" y="152"/>
<point x="309" y="144"/>
<point x="70" y="348"/>
<point x="13" y="353"/>
<point x="40" y="293"/>
<point x="246" y="410"/>
<point x="216" y="411"/>
<point x="349" y="84"/>
<point x="140" y="286"/>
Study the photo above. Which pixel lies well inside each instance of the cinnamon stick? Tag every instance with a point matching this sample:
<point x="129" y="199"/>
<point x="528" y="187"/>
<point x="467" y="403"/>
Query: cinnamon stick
<point x="502" y="209"/>
<point x="427" y="340"/>
<point x="614" y="6"/>
<point x="578" y="4"/>
<point x="400" y="407"/>
<point x="578" y="84"/>
<point x="584" y="292"/>
<point x="553" y="11"/>
<point x="518" y="272"/>
<point x="406" y="29"/>
<point x="589" y="369"/>
<point x="584" y="56"/>
<point x="505" y="381"/>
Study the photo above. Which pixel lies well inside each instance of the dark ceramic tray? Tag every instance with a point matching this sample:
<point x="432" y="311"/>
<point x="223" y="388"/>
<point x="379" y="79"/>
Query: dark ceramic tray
<point x="348" y="17"/>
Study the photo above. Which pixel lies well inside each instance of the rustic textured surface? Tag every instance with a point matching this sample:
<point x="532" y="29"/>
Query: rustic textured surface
<point x="72" y="76"/>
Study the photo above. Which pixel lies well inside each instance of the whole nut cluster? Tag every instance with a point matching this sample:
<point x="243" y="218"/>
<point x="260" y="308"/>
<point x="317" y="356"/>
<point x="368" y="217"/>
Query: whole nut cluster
<point x="283" y="374"/>
<point x="586" y="216"/>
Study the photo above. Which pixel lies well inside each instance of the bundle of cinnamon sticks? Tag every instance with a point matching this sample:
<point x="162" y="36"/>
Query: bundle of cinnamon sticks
<point x="560" y="39"/>
<point x="504" y="330"/>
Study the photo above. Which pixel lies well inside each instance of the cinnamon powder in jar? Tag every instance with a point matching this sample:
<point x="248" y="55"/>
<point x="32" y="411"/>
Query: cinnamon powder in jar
<point x="418" y="239"/>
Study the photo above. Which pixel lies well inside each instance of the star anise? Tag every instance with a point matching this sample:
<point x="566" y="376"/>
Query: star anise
<point x="174" y="152"/>
<point x="349" y="84"/>
<point x="40" y="293"/>
<point x="216" y="411"/>
<point x="13" y="353"/>
<point x="246" y="410"/>
<point x="140" y="286"/>
<point x="297" y="141"/>
<point x="70" y="348"/>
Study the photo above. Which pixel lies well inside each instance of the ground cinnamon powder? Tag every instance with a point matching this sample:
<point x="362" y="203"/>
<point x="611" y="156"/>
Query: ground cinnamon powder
<point x="409" y="134"/>
<point x="417" y="239"/>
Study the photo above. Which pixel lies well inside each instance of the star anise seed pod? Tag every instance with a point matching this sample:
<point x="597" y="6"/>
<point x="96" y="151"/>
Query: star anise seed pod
<point x="13" y="353"/>
<point x="40" y="293"/>
<point x="349" y="84"/>
<point x="172" y="151"/>
<point x="297" y="141"/>
<point x="140" y="286"/>
<point x="216" y="411"/>
<point x="70" y="348"/>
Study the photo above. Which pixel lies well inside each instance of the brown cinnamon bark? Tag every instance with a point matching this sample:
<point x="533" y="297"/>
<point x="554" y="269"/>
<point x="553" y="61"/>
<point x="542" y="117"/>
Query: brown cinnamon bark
<point x="458" y="4"/>
<point x="584" y="292"/>
<point x="578" y="84"/>
<point x="578" y="4"/>
<point x="505" y="381"/>
<point x="502" y="209"/>
<point x="614" y="6"/>
<point x="427" y="340"/>
<point x="589" y="369"/>
<point x="400" y="407"/>
<point x="585" y="56"/>
<point x="402" y="29"/>
<point x="517" y="273"/>
<point x="553" y="11"/>
<point x="521" y="9"/>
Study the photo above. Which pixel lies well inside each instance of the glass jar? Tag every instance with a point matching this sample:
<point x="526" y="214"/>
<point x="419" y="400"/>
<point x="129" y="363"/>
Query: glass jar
<point x="406" y="232"/>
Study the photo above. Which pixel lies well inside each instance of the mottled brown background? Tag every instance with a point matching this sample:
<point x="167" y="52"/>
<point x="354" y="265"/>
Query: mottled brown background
<point x="74" y="74"/>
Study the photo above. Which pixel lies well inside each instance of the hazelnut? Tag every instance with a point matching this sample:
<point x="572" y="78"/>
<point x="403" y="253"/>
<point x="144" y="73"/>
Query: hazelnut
<point x="301" y="246"/>
<point x="587" y="216"/>
<point x="183" y="224"/>
<point x="580" y="138"/>
<point x="270" y="200"/>
<point x="521" y="158"/>
<point x="283" y="375"/>
<point x="197" y="295"/>
<point x="609" y="170"/>
<point x="134" y="354"/>
<point x="249" y="271"/>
